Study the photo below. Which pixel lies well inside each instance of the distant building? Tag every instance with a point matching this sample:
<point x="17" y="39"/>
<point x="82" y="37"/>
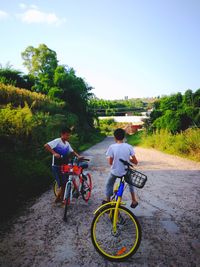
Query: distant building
<point x="126" y="97"/>
<point x="131" y="129"/>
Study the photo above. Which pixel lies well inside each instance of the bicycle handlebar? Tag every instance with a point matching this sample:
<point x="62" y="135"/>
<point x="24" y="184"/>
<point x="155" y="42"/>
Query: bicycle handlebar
<point x="126" y="163"/>
<point x="84" y="159"/>
<point x="76" y="160"/>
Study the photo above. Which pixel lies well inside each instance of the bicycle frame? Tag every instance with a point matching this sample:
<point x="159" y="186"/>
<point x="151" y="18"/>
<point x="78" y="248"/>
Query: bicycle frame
<point x="72" y="181"/>
<point x="117" y="202"/>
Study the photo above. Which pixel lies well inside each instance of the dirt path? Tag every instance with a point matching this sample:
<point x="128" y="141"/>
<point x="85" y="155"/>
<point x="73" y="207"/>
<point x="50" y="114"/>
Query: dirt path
<point x="169" y="213"/>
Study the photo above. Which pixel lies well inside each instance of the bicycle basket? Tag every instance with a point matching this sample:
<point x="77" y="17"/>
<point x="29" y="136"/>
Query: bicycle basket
<point x="135" y="178"/>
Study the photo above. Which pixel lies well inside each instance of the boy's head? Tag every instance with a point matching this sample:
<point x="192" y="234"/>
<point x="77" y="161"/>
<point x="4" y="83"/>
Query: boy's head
<point x="119" y="134"/>
<point x="65" y="134"/>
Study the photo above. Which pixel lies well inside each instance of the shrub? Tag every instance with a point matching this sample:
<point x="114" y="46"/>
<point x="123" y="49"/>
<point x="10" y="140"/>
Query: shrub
<point x="18" y="97"/>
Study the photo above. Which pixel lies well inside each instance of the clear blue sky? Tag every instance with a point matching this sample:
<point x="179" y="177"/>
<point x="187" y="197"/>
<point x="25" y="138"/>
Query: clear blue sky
<point x="134" y="48"/>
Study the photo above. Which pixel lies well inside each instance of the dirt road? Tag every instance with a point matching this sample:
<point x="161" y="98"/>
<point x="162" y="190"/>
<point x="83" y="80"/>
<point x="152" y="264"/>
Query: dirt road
<point x="169" y="213"/>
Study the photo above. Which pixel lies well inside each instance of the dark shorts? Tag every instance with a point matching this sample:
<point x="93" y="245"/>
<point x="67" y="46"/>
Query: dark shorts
<point x="60" y="178"/>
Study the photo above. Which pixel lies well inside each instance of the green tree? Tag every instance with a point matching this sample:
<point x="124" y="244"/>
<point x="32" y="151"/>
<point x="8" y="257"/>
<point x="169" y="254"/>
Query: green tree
<point x="16" y="78"/>
<point x="188" y="97"/>
<point x="177" y="112"/>
<point x="41" y="63"/>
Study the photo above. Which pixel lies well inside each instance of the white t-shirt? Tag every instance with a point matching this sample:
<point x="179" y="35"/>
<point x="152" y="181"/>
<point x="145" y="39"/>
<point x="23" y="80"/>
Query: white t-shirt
<point x="119" y="151"/>
<point x="60" y="147"/>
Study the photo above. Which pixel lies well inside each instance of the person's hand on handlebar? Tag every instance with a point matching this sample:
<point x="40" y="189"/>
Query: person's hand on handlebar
<point x="58" y="156"/>
<point x="80" y="157"/>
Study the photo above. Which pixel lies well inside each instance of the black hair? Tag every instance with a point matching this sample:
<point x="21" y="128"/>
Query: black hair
<point x="119" y="134"/>
<point x="65" y="130"/>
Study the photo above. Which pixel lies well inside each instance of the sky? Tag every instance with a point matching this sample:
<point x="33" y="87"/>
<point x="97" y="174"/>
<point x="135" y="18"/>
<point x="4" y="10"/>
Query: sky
<point x="122" y="48"/>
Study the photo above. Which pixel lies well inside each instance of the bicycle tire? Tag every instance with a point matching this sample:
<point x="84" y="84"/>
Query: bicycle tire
<point x="117" y="246"/>
<point x="67" y="200"/>
<point x="86" y="187"/>
<point x="55" y="188"/>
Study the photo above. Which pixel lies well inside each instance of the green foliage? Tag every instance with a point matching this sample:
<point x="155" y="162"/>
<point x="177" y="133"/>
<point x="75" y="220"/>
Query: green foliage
<point x="16" y="122"/>
<point x="13" y="77"/>
<point x="184" y="144"/>
<point x="135" y="139"/>
<point x="92" y="138"/>
<point x="173" y="121"/>
<point x="18" y="97"/>
<point x="24" y="129"/>
<point x="59" y="82"/>
<point x="22" y="179"/>
<point x="41" y="62"/>
<point x="177" y="112"/>
<point x="109" y="125"/>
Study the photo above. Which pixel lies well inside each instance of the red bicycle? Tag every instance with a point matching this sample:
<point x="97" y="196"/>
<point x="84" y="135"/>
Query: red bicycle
<point x="78" y="182"/>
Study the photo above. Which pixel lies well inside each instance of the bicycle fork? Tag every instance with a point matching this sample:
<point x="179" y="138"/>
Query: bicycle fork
<point x="116" y="211"/>
<point x="116" y="215"/>
<point x="66" y="190"/>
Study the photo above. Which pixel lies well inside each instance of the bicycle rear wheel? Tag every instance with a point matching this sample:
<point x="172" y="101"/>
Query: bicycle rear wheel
<point x="67" y="200"/>
<point x="120" y="245"/>
<point x="55" y="188"/>
<point x="86" y="186"/>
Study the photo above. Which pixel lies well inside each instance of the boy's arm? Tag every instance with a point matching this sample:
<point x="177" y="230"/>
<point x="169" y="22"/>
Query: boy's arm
<point x="133" y="160"/>
<point x="110" y="160"/>
<point x="77" y="155"/>
<point x="48" y="148"/>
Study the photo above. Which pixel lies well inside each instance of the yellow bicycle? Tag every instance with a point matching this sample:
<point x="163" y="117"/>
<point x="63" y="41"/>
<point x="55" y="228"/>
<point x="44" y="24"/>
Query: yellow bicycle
<point x="115" y="230"/>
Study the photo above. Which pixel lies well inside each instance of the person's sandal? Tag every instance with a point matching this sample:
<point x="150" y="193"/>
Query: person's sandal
<point x="58" y="200"/>
<point x="134" y="205"/>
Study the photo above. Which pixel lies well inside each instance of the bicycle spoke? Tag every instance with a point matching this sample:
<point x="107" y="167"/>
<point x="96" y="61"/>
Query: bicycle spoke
<point x="86" y="187"/>
<point x="115" y="244"/>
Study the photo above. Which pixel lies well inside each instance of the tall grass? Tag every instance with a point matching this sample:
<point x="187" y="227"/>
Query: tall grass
<point x="184" y="144"/>
<point x="18" y="96"/>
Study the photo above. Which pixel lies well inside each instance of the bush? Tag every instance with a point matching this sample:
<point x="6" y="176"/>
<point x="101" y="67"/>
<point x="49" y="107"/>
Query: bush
<point x="22" y="179"/>
<point x="10" y="94"/>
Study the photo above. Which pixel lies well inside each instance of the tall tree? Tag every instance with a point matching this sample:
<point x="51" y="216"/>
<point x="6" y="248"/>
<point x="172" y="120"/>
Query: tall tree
<point x="41" y="62"/>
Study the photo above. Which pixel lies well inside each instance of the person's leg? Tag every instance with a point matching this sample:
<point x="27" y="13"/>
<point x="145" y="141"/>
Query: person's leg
<point x="56" y="174"/>
<point x="133" y="197"/>
<point x="109" y="186"/>
<point x="64" y="179"/>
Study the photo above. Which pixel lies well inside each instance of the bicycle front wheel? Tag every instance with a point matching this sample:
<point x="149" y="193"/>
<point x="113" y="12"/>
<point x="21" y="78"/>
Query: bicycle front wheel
<point x="67" y="200"/>
<point x="86" y="186"/>
<point x="120" y="244"/>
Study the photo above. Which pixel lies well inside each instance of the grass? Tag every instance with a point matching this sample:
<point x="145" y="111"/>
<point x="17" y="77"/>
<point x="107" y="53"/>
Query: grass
<point x="93" y="141"/>
<point x="185" y="144"/>
<point x="135" y="139"/>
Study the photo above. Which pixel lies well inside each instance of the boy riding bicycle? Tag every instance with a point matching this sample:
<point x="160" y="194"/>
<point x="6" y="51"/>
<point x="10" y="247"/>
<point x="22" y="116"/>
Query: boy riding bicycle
<point x="61" y="150"/>
<point x="119" y="150"/>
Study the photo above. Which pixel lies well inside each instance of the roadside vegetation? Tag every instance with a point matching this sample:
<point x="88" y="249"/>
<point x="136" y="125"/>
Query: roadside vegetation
<point x="173" y="126"/>
<point x="33" y="109"/>
<point x="185" y="144"/>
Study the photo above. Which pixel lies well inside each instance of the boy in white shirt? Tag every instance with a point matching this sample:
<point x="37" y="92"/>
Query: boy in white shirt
<point x="119" y="150"/>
